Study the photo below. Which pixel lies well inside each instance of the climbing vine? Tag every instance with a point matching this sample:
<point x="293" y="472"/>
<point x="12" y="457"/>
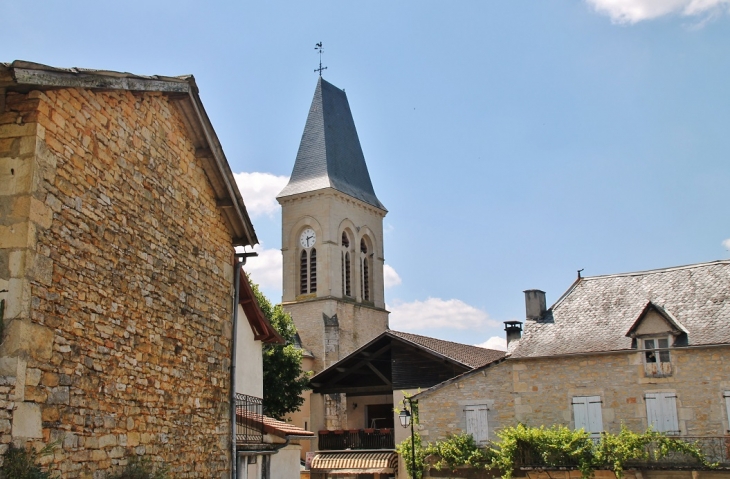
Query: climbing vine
<point x="556" y="446"/>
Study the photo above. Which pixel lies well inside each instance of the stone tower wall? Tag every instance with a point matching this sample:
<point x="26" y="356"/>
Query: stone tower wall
<point x="117" y="326"/>
<point x="358" y="324"/>
<point x="328" y="212"/>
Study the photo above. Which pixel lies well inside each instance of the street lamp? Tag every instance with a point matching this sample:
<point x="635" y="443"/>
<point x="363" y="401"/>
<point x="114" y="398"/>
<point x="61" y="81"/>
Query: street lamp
<point x="405" y="421"/>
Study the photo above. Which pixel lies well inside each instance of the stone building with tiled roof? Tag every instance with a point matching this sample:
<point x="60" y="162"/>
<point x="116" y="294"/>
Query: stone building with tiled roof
<point x="642" y="349"/>
<point x="119" y="215"/>
<point x="374" y="379"/>
<point x="118" y="219"/>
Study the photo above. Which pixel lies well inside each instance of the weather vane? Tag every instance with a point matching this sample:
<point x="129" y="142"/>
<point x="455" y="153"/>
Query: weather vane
<point x="318" y="47"/>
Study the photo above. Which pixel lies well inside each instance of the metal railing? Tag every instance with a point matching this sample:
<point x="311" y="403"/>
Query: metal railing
<point x="249" y="419"/>
<point x="356" y="439"/>
<point x="716" y="450"/>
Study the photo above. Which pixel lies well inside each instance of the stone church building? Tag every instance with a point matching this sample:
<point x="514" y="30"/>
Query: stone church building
<point x="332" y="245"/>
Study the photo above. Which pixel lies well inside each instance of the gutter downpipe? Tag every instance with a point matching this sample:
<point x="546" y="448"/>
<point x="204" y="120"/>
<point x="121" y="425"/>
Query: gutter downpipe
<point x="237" y="288"/>
<point x="239" y="261"/>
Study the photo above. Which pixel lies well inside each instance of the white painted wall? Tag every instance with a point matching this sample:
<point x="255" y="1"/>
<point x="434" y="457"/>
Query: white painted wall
<point x="249" y="362"/>
<point x="285" y="463"/>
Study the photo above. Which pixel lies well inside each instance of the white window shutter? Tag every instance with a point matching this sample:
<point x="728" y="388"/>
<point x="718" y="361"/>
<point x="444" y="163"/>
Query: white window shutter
<point x="595" y="418"/>
<point x="653" y="414"/>
<point x="580" y="413"/>
<point x="661" y="412"/>
<point x="476" y="423"/>
<point x="483" y="425"/>
<point x="669" y="411"/>
<point x="472" y="425"/>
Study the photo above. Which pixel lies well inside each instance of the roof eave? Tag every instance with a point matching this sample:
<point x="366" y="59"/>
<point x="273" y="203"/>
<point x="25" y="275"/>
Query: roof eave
<point x="262" y="329"/>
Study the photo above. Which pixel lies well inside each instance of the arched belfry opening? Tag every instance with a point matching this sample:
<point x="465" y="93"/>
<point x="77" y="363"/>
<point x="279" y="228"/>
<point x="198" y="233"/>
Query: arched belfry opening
<point x="346" y="258"/>
<point x="366" y="268"/>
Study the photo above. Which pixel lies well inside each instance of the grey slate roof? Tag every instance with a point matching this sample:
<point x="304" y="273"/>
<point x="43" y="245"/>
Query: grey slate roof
<point x="470" y="356"/>
<point x="329" y="154"/>
<point x="596" y="312"/>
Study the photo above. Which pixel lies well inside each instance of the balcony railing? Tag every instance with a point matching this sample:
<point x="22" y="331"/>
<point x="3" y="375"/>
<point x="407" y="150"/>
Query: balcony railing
<point x="249" y="419"/>
<point x="356" y="439"/>
<point x="716" y="450"/>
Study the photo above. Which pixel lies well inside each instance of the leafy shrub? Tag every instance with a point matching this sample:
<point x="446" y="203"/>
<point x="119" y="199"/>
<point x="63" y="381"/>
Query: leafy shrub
<point x="616" y="450"/>
<point x="459" y="450"/>
<point x="556" y="446"/>
<point x="142" y="468"/>
<point x="20" y="463"/>
<point x="405" y="450"/>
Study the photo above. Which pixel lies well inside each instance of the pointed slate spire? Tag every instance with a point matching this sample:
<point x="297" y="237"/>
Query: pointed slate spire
<point x="329" y="154"/>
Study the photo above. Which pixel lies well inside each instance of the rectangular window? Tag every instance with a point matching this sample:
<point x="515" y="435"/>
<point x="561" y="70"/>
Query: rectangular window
<point x="587" y="414"/>
<point x="726" y="395"/>
<point x="661" y="412"/>
<point x="476" y="423"/>
<point x="657" y="350"/>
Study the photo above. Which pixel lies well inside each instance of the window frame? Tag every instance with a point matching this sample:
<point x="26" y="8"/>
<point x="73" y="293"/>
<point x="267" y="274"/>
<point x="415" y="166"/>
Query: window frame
<point x="656" y="350"/>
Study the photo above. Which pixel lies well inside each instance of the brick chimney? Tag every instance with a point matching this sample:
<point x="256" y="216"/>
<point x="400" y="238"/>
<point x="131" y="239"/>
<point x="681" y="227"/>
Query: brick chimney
<point x="534" y="304"/>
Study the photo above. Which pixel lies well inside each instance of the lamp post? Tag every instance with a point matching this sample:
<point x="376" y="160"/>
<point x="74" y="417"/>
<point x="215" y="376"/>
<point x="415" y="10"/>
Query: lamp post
<point x="406" y="419"/>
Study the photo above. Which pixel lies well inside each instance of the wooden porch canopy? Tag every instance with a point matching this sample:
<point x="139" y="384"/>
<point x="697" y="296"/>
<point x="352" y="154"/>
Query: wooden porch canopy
<point x="396" y="360"/>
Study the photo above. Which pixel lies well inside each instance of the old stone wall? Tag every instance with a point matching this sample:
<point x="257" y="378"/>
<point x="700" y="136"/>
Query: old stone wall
<point x="118" y="330"/>
<point x="539" y="392"/>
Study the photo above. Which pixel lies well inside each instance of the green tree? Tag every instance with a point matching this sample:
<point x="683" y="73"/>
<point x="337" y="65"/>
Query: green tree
<point x="284" y="380"/>
<point x="22" y="463"/>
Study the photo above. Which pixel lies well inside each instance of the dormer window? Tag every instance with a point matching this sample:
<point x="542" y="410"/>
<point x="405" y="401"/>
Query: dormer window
<point x="655" y="331"/>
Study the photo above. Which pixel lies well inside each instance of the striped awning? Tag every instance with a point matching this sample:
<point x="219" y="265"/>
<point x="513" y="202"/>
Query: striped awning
<point x="355" y="462"/>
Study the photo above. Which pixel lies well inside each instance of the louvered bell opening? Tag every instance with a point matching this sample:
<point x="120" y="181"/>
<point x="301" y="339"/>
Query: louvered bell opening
<point x="365" y="271"/>
<point x="313" y="271"/>
<point x="348" y="291"/>
<point x="366" y="279"/>
<point x="303" y="273"/>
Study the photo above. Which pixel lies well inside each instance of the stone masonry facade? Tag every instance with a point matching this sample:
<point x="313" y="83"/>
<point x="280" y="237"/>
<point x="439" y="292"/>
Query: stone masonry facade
<point x="117" y="267"/>
<point x="539" y="392"/>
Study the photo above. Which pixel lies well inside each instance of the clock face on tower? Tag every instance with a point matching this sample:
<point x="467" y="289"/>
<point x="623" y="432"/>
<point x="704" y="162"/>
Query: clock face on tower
<point x="307" y="238"/>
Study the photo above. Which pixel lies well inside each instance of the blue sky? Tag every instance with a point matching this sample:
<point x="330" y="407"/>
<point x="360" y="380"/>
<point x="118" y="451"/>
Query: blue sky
<point x="513" y="142"/>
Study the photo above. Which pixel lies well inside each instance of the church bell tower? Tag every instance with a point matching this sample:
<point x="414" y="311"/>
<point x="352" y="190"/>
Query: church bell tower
<point x="332" y="236"/>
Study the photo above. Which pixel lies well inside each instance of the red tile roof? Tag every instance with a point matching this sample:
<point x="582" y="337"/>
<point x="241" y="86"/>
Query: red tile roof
<point x="281" y="428"/>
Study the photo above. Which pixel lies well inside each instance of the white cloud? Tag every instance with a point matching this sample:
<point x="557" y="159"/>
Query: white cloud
<point x="265" y="270"/>
<point x="633" y="11"/>
<point x="495" y="342"/>
<point x="437" y="313"/>
<point x="390" y="276"/>
<point x="259" y="191"/>
<point x="726" y="243"/>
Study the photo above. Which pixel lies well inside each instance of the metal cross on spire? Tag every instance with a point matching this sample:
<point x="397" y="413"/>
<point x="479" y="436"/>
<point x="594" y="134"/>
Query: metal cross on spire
<point x="318" y="47"/>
